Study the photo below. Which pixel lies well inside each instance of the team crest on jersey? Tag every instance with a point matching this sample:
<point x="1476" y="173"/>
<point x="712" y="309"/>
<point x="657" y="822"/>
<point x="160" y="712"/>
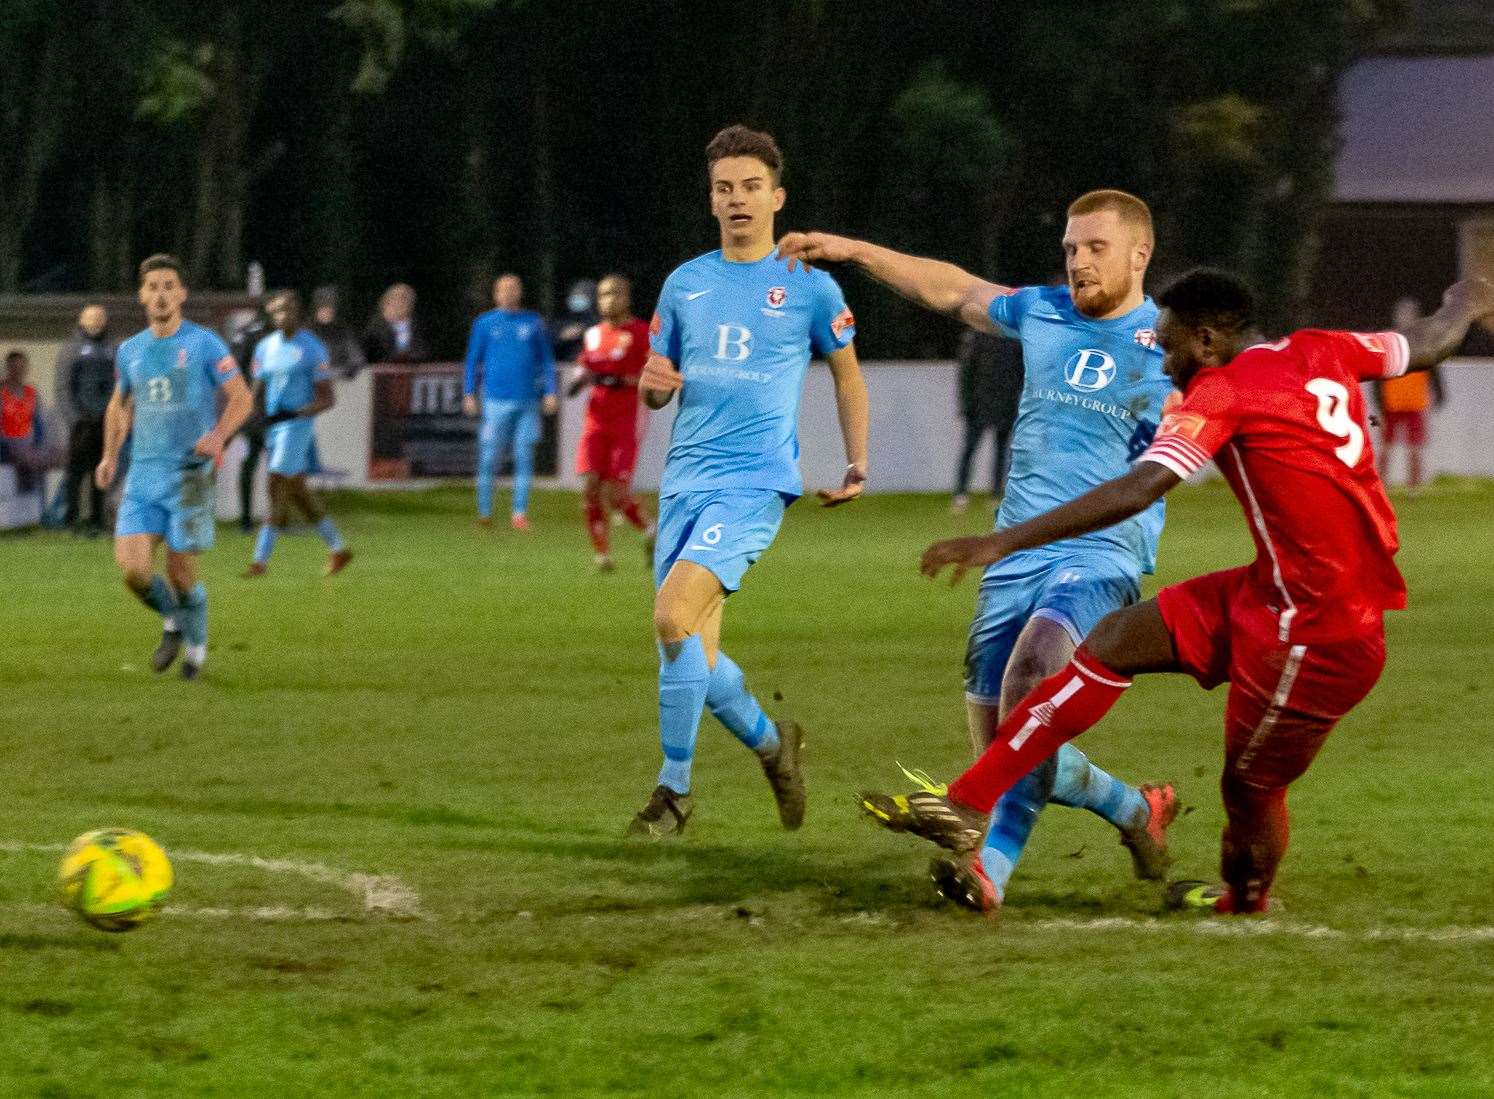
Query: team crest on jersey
<point x="1189" y="424"/>
<point x="839" y="325"/>
<point x="1147" y="337"/>
<point x="181" y="359"/>
<point x="777" y="296"/>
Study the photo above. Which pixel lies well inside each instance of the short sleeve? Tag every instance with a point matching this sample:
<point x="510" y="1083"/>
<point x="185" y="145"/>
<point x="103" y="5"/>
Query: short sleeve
<point x="1196" y="428"/>
<point x="216" y="358"/>
<point x="321" y="370"/>
<point x="664" y="329"/>
<point x="833" y="326"/>
<point x="1009" y="307"/>
<point x="1372" y="354"/>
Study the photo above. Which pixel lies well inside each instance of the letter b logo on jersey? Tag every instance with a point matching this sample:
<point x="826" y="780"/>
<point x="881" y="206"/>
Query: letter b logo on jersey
<point x="1089" y="370"/>
<point x="733" y="343"/>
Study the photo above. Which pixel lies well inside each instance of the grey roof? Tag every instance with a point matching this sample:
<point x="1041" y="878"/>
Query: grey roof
<point x="1418" y="129"/>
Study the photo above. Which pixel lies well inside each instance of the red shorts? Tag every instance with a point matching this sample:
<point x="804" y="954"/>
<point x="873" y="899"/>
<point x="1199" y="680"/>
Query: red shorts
<point x="1284" y="698"/>
<point x="1409" y="427"/>
<point x="609" y="447"/>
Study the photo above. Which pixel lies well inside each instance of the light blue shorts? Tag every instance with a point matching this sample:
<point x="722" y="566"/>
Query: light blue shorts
<point x="1076" y="593"/>
<point x="174" y="504"/>
<point x="724" y="531"/>
<point x="289" y="445"/>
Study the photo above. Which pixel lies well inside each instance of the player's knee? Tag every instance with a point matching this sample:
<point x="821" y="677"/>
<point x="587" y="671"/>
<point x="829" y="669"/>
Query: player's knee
<point x="1105" y="641"/>
<point x="670" y="621"/>
<point x="181" y="575"/>
<point x="135" y="578"/>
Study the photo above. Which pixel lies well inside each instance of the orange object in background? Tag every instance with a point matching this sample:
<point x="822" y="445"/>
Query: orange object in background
<point x="1408" y="393"/>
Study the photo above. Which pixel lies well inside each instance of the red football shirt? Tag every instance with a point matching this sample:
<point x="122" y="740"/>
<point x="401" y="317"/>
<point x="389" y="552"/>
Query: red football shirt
<point x="617" y="351"/>
<point x="1286" y="424"/>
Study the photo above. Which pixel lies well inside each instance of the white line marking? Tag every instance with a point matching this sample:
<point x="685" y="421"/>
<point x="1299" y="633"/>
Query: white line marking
<point x="380" y="895"/>
<point x="1250" y="927"/>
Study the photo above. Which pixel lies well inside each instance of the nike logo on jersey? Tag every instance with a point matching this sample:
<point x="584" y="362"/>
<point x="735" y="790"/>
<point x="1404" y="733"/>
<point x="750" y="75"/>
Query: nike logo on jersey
<point x="696" y="294"/>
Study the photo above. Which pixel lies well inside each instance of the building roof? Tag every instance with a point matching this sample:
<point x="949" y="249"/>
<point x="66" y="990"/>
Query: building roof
<point x="1417" y="129"/>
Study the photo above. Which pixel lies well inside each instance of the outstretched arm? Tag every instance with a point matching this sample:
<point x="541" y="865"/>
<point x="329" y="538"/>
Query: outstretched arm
<point x="935" y="285"/>
<point x="1115" y="501"/>
<point x="853" y="407"/>
<point x="1434" y="338"/>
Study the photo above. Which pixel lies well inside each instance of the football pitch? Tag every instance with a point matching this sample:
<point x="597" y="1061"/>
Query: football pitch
<point x="395" y="805"/>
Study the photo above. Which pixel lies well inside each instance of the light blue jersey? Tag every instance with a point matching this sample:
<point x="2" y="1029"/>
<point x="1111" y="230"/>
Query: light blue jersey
<point x="174" y="380"/>
<point x="290" y="369"/>
<point x="743" y="334"/>
<point x="1091" y="403"/>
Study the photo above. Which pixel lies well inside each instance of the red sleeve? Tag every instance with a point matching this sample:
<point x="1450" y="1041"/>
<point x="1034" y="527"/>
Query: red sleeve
<point x="1370" y="354"/>
<point x="1194" y="430"/>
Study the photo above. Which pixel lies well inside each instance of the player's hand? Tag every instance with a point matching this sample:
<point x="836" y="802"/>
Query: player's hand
<point x="963" y="553"/>
<point x="660" y="375"/>
<point x="469" y="405"/>
<point x="103" y="476"/>
<point x="812" y="248"/>
<point x="1474" y="294"/>
<point x="210" y="446"/>
<point x="548" y="404"/>
<point x="851" y="487"/>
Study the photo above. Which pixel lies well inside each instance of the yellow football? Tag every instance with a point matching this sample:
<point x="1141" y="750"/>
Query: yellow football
<point x="114" y="878"/>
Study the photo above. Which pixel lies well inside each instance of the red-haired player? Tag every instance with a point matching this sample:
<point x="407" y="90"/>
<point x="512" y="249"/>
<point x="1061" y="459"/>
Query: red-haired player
<point x="611" y="360"/>
<point x="1298" y="634"/>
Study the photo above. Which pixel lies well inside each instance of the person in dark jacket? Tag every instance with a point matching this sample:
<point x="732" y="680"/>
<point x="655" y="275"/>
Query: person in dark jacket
<point x="394" y="334"/>
<point x="86" y="364"/>
<point x="991" y="375"/>
<point x="241" y="345"/>
<point x="344" y="352"/>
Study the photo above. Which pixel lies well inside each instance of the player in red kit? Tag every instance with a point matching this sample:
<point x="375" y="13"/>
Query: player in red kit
<point x="611" y="361"/>
<point x="1298" y="634"/>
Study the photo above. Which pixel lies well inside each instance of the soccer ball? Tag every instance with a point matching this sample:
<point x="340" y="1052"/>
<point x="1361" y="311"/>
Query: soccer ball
<point x="114" y="878"/>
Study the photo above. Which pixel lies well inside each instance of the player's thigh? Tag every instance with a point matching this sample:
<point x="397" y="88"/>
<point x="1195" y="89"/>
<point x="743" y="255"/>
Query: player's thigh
<point x="193" y="511"/>
<point x="1002" y="609"/>
<point x="686" y="599"/>
<point x="528" y="426"/>
<point x="1043" y="647"/>
<point x="135" y="553"/>
<point x="307" y="499"/>
<point x="1194" y="615"/>
<point x="1285" y="699"/>
<point x="729" y="531"/>
<point x="496" y="428"/>
<point x="279" y="500"/>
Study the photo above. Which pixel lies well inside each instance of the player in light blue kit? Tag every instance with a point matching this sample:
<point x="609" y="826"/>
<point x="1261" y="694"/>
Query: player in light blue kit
<point x="1091" y="402"/>
<point x="511" y="370"/>
<point x="166" y="402"/>
<point x="733" y="335"/>
<point x="290" y="368"/>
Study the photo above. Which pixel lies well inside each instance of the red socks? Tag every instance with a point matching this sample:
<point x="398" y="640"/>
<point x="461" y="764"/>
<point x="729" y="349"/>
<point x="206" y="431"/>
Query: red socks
<point x="1255" y="839"/>
<point x="596" y="525"/>
<point x="1058" y="709"/>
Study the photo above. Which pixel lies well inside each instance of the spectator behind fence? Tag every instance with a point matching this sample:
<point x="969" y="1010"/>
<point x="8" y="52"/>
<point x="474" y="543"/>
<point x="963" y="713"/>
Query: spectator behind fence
<point x="85" y="368"/>
<point x="344" y="352"/>
<point x="393" y="334"/>
<point x="22" y="437"/>
<point x="580" y="314"/>
<point x="243" y="338"/>
<point x="991" y="375"/>
<point x="1404" y="404"/>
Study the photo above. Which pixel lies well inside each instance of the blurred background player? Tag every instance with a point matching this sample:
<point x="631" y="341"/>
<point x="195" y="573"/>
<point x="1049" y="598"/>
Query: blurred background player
<point x="582" y="310"/>
<point x="1091" y="404"/>
<point x="293" y="384"/>
<point x="1299" y="634"/>
<point x="242" y="341"/>
<point x="990" y="390"/>
<point x="1404" y="405"/>
<point x="733" y="335"/>
<point x="511" y="372"/>
<point x="166" y="402"/>
<point x="610" y="361"/>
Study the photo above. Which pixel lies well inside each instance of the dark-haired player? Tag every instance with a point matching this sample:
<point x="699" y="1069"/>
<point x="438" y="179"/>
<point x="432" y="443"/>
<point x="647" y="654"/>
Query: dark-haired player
<point x="166" y="402"/>
<point x="293" y="375"/>
<point x="733" y="336"/>
<point x="611" y="360"/>
<point x="1298" y="634"/>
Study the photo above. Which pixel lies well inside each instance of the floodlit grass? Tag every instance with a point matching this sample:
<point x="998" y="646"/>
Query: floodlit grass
<point x="472" y="716"/>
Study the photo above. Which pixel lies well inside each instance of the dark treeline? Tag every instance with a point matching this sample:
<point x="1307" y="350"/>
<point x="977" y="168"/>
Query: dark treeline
<point x="441" y="141"/>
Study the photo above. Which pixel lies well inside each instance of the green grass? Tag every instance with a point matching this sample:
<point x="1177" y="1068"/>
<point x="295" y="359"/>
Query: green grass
<point x="474" y="714"/>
